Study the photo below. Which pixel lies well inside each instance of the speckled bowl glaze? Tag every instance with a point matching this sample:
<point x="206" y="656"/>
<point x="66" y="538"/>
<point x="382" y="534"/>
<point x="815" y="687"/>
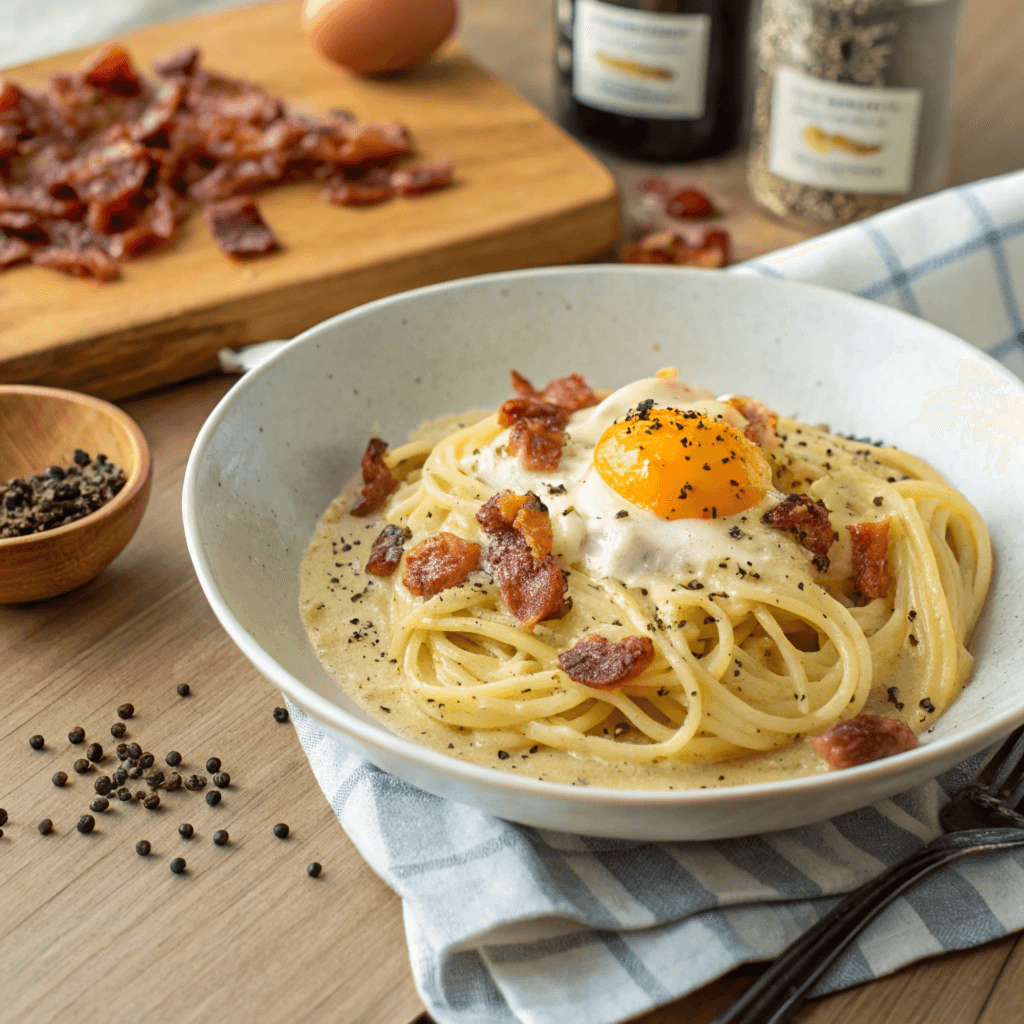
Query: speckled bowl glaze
<point x="285" y="439"/>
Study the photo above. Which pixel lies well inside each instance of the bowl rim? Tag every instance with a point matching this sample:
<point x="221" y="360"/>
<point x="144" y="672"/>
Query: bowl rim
<point x="949" y="749"/>
<point x="133" y="485"/>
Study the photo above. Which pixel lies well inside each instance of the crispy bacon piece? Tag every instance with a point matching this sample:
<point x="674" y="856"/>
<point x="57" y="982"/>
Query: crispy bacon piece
<point x="861" y="739"/>
<point x="689" y="204"/>
<point x="596" y="662"/>
<point x="713" y="252"/>
<point x="808" y="521"/>
<point x="387" y="550"/>
<point x="89" y="262"/>
<point x="538" y="445"/>
<point x="438" y="563"/>
<point x="374" y="187"/>
<point x="762" y="422"/>
<point x="412" y="181"/>
<point x="112" y="71"/>
<point x="239" y="228"/>
<point x="519" y="556"/>
<point x="372" y="142"/>
<point x="870" y="565"/>
<point x="377" y="480"/>
<point x="571" y="393"/>
<point x="184" y="62"/>
<point x="13" y="250"/>
<point x="529" y="407"/>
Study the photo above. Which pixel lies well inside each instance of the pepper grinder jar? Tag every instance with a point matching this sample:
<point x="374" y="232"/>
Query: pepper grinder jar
<point x="852" y="106"/>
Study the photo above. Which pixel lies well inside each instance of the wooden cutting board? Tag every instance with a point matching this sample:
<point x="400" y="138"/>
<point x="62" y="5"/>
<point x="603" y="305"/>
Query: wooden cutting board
<point x="525" y="195"/>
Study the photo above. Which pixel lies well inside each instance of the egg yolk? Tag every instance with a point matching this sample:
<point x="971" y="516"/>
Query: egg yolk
<point x="680" y="464"/>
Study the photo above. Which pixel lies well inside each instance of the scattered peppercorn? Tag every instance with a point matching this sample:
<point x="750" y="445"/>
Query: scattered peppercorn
<point x="99" y="804"/>
<point x="135" y="773"/>
<point x="117" y="730"/>
<point x="213" y="765"/>
<point x="140" y="795"/>
<point x="183" y="689"/>
<point x="155" y="778"/>
<point x="173" y="782"/>
<point x="1" y="833"/>
<point x="45" y="827"/>
<point x="314" y="870"/>
<point x="94" y="752"/>
<point x="173" y="758"/>
<point x="3" y="817"/>
<point x="151" y="802"/>
<point x="119" y="776"/>
<point x="60" y="779"/>
<point x="126" y="711"/>
<point x="213" y="797"/>
<point x="178" y="865"/>
<point x="134" y="750"/>
<point x="222" y="780"/>
<point x="86" y="823"/>
<point x="280" y="714"/>
<point x="220" y="838"/>
<point x="281" y="831"/>
<point x="124" y="794"/>
<point x="103" y="785"/>
<point x="122" y="751"/>
<point x="82" y="766"/>
<point x="142" y="848"/>
<point x="36" y="742"/>
<point x="186" y="831"/>
<point x="77" y="735"/>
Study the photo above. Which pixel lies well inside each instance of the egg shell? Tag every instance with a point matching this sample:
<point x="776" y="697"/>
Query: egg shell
<point x="374" y="36"/>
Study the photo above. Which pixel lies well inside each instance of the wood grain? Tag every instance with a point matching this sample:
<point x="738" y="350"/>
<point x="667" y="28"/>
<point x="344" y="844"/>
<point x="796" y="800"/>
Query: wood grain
<point x="525" y="195"/>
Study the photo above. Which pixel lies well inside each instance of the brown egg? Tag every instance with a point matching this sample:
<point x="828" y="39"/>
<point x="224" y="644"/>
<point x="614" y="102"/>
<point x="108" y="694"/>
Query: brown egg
<point x="371" y="36"/>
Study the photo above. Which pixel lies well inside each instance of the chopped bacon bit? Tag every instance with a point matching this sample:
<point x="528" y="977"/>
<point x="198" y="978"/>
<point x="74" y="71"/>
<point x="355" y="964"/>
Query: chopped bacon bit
<point x="374" y="187"/>
<point x="78" y="263"/>
<point x="690" y="204"/>
<point x="518" y="556"/>
<point x="870" y="566"/>
<point x="184" y="62"/>
<point x="538" y="445"/>
<point x="593" y="661"/>
<point x="808" y="521"/>
<point x="112" y="71"/>
<point x="438" y="563"/>
<point x="371" y="143"/>
<point x="713" y="252"/>
<point x="239" y="228"/>
<point x="387" y="550"/>
<point x="412" y="181"/>
<point x="571" y="393"/>
<point x="13" y="250"/>
<point x="529" y="407"/>
<point x="762" y="422"/>
<point x="377" y="480"/>
<point x="862" y="739"/>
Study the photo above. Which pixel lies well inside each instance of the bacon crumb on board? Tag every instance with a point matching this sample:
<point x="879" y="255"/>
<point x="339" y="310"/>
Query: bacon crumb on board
<point x="387" y="550"/>
<point x="712" y="252"/>
<point x="439" y="563"/>
<point x="870" y="565"/>
<point x="808" y="521"/>
<point x="239" y="228"/>
<point x="104" y="164"/>
<point x="518" y="556"/>
<point x="862" y="739"/>
<point x="594" y="661"/>
<point x="377" y="480"/>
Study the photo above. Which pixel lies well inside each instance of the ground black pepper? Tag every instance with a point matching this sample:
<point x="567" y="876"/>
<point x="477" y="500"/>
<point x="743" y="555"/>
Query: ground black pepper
<point x="213" y="765"/>
<point x="183" y="689"/>
<point x="142" y="848"/>
<point x="94" y="752"/>
<point x="281" y="831"/>
<point x="60" y="779"/>
<point x="77" y="735"/>
<point x="45" y="827"/>
<point x="314" y="869"/>
<point x="86" y="823"/>
<point x="82" y="766"/>
<point x="173" y="758"/>
<point x="280" y="714"/>
<point x="222" y="780"/>
<point x="99" y="804"/>
<point x="178" y="865"/>
<point x="117" y="730"/>
<point x="186" y="831"/>
<point x="213" y="797"/>
<point x="220" y="837"/>
<point x="126" y="711"/>
<point x="36" y="742"/>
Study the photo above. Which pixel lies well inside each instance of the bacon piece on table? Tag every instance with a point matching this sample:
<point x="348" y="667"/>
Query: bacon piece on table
<point x="596" y="662"/>
<point x="239" y="228"/>
<point x="870" y="566"/>
<point x="713" y="252"/>
<point x="184" y="62"/>
<point x="438" y="563"/>
<point x="112" y="71"/>
<point x="861" y="739"/>
<point x="377" y="480"/>
<point x="373" y="187"/>
<point x="387" y="550"/>
<point x="413" y="181"/>
<point x="518" y="556"/>
<point x="89" y="262"/>
<point x="808" y="521"/>
<point x="13" y="250"/>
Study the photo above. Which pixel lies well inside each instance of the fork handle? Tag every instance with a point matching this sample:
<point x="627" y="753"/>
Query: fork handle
<point x="782" y="989"/>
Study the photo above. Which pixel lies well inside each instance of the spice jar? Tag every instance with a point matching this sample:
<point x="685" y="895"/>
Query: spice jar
<point x="852" y="105"/>
<point x="653" y="79"/>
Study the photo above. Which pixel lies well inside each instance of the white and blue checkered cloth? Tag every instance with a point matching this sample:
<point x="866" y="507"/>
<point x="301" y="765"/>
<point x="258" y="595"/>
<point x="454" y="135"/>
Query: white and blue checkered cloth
<point x="515" y="925"/>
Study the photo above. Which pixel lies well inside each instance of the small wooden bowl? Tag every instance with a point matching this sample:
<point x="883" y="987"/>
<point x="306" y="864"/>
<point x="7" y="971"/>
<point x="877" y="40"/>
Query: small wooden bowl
<point x="42" y="427"/>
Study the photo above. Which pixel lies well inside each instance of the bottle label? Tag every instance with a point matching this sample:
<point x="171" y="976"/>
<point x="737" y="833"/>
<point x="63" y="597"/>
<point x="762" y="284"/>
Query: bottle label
<point x="640" y="63"/>
<point x="846" y="138"/>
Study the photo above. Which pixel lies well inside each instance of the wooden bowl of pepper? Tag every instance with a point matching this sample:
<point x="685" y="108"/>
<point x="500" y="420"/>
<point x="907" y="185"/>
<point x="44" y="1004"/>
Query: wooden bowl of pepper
<point x="75" y="476"/>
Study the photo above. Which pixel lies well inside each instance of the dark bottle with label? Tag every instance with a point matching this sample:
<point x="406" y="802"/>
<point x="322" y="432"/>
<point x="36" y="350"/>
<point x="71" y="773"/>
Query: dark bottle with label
<point x="653" y="79"/>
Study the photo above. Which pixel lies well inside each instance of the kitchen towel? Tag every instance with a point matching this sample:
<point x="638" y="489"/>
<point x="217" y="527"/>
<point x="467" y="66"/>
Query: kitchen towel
<point x="508" y="923"/>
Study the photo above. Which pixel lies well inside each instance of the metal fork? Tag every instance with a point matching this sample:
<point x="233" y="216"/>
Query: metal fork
<point x="979" y="817"/>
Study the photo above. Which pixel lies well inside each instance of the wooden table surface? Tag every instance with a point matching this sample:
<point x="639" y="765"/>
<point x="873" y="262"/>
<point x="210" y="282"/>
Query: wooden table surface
<point x="91" y="931"/>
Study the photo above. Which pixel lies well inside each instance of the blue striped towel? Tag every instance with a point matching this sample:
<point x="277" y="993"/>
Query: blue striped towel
<point x="510" y="924"/>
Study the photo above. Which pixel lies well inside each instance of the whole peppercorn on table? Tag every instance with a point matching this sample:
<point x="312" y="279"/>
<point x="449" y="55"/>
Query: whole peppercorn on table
<point x="259" y="908"/>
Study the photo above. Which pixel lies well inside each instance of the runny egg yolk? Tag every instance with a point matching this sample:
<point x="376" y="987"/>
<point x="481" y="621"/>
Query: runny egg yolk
<point x="680" y="464"/>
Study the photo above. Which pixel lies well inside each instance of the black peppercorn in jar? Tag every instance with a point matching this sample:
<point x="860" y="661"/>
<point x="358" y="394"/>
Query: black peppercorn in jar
<point x="653" y="79"/>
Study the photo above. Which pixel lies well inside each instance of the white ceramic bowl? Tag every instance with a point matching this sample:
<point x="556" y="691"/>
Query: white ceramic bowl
<point x="286" y="438"/>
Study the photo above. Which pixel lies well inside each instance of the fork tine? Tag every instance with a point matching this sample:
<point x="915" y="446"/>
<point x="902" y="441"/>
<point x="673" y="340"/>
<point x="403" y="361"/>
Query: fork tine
<point x="995" y="764"/>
